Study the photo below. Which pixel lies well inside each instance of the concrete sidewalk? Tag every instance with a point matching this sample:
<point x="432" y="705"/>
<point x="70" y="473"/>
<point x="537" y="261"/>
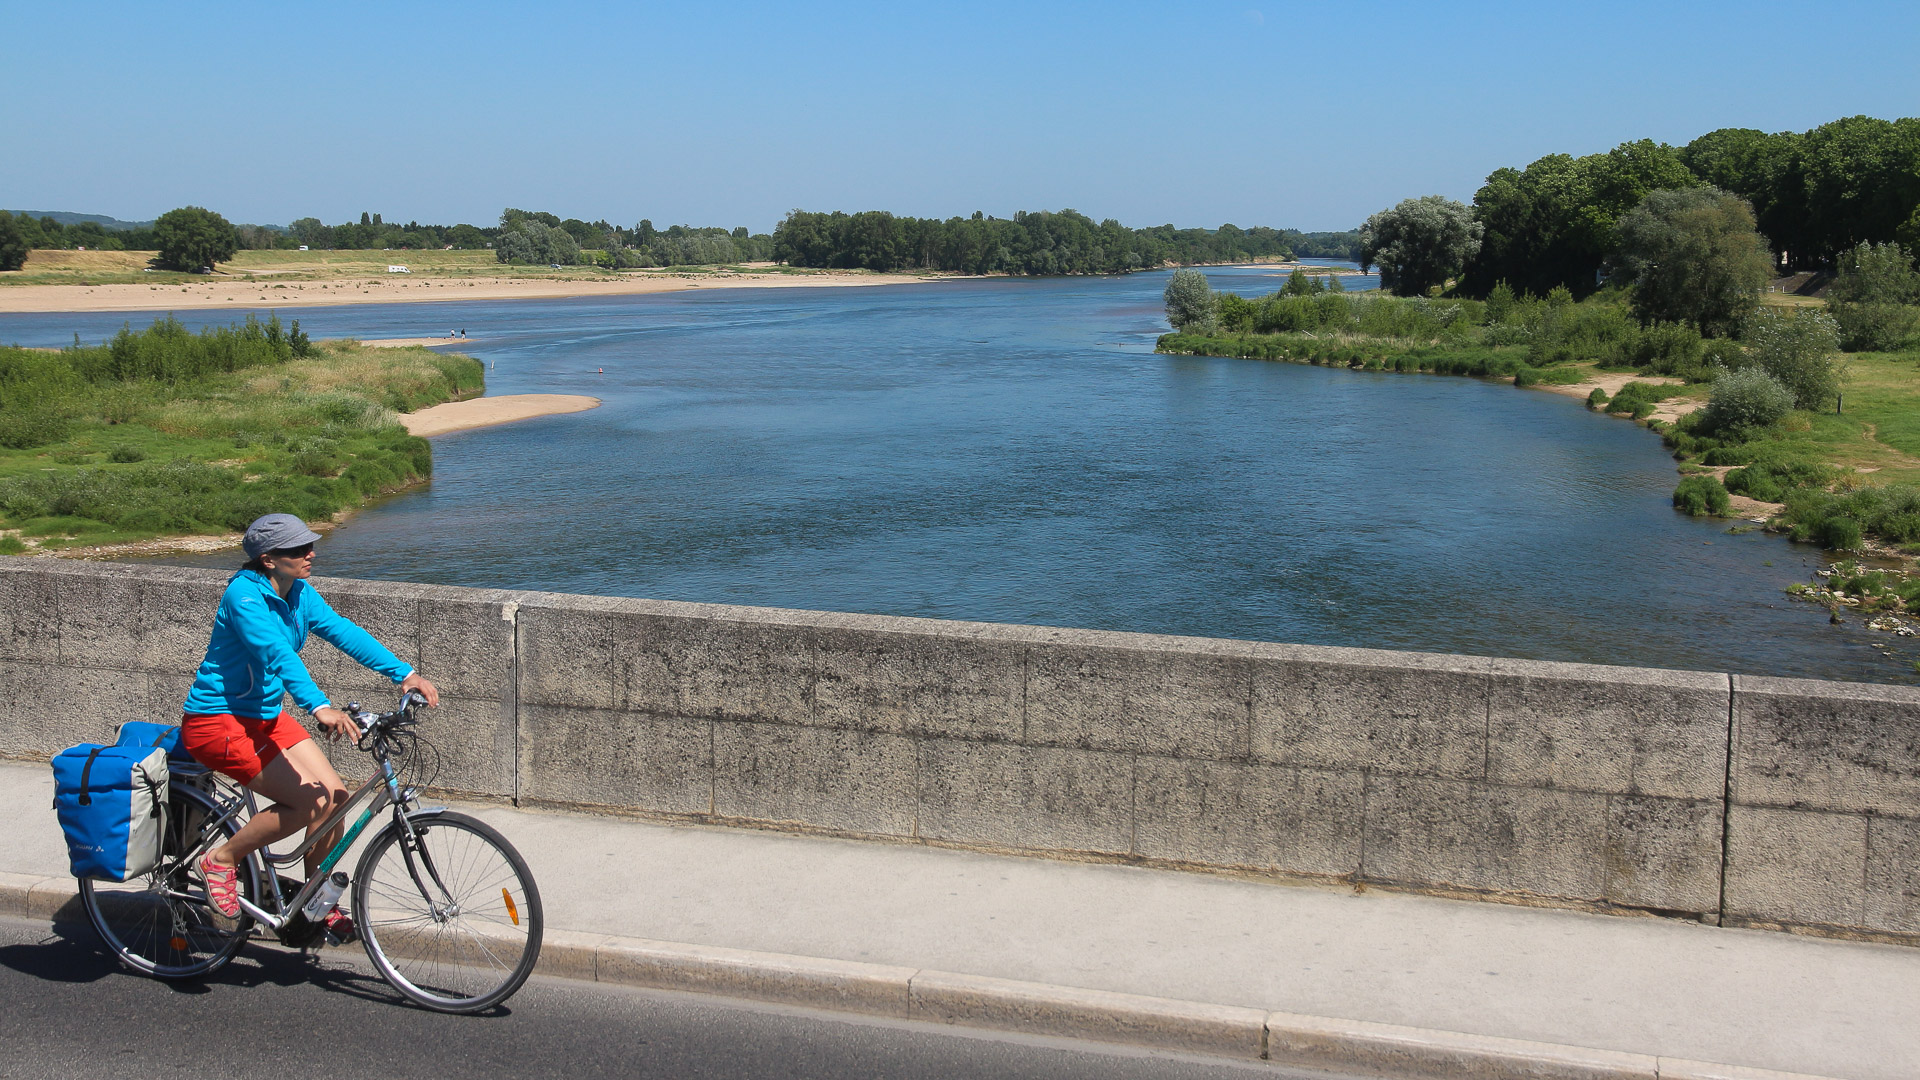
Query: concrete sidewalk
<point x="1632" y="986"/>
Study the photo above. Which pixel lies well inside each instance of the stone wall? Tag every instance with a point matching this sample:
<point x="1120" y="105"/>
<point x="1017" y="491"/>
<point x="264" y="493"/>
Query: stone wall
<point x="1762" y="801"/>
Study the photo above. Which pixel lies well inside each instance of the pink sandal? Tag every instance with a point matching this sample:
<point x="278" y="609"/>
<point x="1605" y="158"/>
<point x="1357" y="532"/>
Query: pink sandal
<point x="223" y="886"/>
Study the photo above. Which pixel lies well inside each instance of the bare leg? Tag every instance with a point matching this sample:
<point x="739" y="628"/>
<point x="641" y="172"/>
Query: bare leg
<point x="304" y="789"/>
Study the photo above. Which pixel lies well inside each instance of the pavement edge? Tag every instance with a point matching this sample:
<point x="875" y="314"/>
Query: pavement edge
<point x="1313" y="1042"/>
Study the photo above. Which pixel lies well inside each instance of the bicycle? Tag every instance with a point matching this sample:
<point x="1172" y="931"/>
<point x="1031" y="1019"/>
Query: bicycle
<point x="446" y="908"/>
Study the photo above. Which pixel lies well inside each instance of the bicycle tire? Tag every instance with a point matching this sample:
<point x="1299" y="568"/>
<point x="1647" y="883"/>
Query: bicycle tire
<point x="163" y="935"/>
<point x="459" y="957"/>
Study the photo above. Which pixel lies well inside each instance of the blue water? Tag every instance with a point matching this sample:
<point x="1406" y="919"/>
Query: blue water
<point x="1013" y="451"/>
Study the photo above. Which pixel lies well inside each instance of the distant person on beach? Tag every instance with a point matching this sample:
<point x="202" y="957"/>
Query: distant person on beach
<point x="232" y="722"/>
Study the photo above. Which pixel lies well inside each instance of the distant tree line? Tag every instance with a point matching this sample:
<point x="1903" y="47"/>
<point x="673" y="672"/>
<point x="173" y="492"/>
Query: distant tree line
<point x="47" y="233"/>
<point x="1036" y="243"/>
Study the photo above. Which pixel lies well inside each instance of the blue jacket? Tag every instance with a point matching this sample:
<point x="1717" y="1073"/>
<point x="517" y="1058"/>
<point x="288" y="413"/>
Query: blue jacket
<point x="253" y="658"/>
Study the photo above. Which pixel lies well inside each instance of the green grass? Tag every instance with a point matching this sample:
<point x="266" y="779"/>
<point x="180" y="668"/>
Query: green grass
<point x="141" y="458"/>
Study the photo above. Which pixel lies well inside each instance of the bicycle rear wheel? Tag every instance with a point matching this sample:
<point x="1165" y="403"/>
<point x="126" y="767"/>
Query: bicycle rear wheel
<point x="160" y="923"/>
<point x="453" y="922"/>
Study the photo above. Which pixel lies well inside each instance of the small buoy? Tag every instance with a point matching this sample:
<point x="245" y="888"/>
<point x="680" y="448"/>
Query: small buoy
<point x="602" y="371"/>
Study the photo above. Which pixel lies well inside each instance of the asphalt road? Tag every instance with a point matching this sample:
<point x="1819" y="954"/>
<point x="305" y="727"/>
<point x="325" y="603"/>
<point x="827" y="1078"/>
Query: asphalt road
<point x="68" y="1010"/>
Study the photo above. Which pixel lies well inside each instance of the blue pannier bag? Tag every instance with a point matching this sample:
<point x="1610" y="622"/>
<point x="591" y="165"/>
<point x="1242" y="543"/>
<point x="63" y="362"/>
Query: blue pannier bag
<point x="112" y="803"/>
<point x="143" y="733"/>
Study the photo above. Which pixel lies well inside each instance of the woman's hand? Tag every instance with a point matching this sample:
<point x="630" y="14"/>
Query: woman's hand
<point x="335" y="723"/>
<point x="417" y="683"/>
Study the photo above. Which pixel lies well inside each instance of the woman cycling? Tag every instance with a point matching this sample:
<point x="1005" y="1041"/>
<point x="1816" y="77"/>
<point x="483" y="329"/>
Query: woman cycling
<point x="233" y="723"/>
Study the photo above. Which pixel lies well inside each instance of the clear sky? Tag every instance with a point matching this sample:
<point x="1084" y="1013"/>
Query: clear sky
<point x="1259" y="112"/>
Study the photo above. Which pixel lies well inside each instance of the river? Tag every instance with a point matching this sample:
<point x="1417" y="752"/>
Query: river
<point x="1014" y="451"/>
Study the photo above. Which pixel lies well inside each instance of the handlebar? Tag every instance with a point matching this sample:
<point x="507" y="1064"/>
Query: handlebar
<point x="373" y="725"/>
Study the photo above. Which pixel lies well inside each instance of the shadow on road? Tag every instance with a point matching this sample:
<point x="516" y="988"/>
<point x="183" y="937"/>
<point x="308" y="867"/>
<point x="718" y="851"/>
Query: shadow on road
<point x="73" y="953"/>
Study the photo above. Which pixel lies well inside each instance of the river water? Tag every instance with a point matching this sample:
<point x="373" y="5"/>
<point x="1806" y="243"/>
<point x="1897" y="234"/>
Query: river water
<point x="1014" y="451"/>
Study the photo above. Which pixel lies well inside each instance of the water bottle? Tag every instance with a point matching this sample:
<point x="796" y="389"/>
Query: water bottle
<point x="327" y="896"/>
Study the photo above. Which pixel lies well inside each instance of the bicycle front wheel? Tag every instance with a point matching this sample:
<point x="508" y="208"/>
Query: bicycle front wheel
<point x="452" y="917"/>
<point x="160" y="923"/>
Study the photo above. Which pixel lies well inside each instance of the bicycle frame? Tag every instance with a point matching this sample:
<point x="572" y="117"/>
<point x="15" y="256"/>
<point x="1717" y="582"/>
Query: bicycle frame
<point x="385" y="791"/>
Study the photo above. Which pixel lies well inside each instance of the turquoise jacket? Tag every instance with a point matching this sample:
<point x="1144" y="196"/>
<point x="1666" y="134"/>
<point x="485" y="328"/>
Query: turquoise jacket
<point x="253" y="658"/>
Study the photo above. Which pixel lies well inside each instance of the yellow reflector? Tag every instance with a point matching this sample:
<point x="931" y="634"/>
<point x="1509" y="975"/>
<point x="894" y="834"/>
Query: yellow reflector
<point x="512" y="912"/>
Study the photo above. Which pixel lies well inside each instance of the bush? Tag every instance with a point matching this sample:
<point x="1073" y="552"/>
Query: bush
<point x="1597" y="398"/>
<point x="1744" y="401"/>
<point x="1702" y="495"/>
<point x="126" y="454"/>
<point x="1796" y="348"/>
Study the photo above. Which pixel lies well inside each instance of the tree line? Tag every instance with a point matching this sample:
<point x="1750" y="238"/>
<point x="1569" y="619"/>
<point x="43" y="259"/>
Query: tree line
<point x="1814" y="196"/>
<point x="1029" y="243"/>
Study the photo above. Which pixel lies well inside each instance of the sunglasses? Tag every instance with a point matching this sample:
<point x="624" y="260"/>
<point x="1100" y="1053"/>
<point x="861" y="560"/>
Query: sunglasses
<point x="300" y="552"/>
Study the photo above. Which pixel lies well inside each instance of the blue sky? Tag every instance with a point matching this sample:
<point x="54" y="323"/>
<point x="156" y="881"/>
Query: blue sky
<point x="1308" y="115"/>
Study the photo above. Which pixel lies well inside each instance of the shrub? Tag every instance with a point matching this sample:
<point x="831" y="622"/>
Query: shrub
<point x="1701" y="495"/>
<point x="11" y="545"/>
<point x="1597" y="398"/>
<point x="126" y="454"/>
<point x="1796" y="348"/>
<point x="1744" y="401"/>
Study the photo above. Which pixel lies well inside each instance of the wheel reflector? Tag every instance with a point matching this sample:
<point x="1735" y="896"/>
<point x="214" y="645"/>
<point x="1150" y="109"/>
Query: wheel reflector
<point x="512" y="911"/>
<point x="179" y="944"/>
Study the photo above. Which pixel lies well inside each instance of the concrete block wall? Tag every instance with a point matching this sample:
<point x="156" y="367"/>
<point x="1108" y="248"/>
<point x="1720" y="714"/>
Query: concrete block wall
<point x="1761" y="801"/>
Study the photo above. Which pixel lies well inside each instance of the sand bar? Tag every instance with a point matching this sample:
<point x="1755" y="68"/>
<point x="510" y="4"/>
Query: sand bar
<point x="407" y="342"/>
<point x="236" y="293"/>
<point x="487" y="411"/>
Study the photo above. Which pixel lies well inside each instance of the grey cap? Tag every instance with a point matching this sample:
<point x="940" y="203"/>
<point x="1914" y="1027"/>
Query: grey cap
<point x="271" y="532"/>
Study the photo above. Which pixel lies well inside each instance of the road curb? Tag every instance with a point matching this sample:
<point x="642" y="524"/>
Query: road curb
<point x="1313" y="1042"/>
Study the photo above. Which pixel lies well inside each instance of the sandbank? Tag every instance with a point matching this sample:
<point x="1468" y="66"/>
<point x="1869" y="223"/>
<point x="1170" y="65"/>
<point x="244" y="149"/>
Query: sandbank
<point x="239" y="293"/>
<point x="1669" y="410"/>
<point x="487" y="411"/>
<point x="407" y="342"/>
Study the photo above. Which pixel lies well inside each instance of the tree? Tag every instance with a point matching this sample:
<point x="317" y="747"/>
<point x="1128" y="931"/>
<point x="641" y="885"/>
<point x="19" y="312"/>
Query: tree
<point x="1796" y="348"/>
<point x="1420" y="243"/>
<point x="192" y="237"/>
<point x="1693" y="255"/>
<point x="13" y="243"/>
<point x="1874" y="299"/>
<point x="1189" y="301"/>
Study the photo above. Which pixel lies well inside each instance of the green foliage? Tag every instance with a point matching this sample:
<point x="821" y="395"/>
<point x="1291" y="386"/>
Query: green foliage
<point x="13" y="243"/>
<point x="1596" y="399"/>
<point x="150" y="402"/>
<point x="1552" y="224"/>
<point x="192" y="237"/>
<point x="1841" y="521"/>
<point x="1419" y="243"/>
<point x="1039" y="243"/>
<point x="1746" y="400"/>
<point x="1693" y="255"/>
<point x="1796" y="347"/>
<point x="1701" y="495"/>
<point x="527" y="240"/>
<point x="1190" y="301"/>
<point x="1500" y="303"/>
<point x="1876" y="297"/>
<point x="1637" y="399"/>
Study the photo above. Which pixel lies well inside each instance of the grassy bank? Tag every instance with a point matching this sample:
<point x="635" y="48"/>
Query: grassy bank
<point x="164" y="432"/>
<point x="1847" y="479"/>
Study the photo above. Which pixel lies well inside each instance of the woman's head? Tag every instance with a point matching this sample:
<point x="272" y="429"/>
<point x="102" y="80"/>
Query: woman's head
<point x="281" y="546"/>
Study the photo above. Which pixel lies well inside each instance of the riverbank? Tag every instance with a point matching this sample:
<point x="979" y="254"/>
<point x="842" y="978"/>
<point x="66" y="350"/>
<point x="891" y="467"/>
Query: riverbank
<point x="228" y="425"/>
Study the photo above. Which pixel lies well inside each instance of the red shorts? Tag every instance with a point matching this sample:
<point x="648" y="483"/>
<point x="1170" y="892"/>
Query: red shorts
<point x="239" y="746"/>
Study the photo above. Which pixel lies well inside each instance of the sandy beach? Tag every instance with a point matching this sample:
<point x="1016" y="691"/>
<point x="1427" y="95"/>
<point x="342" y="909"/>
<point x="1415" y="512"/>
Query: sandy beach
<point x="241" y="293"/>
<point x="487" y="411"/>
